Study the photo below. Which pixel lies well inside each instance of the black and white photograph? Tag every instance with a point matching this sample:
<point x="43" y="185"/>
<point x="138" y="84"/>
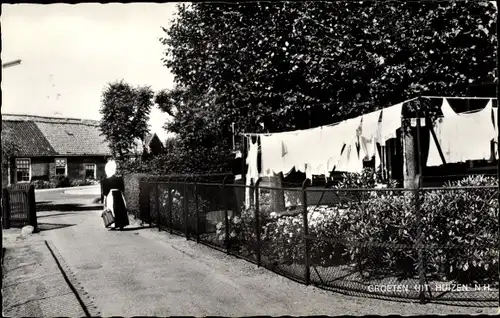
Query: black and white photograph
<point x="255" y="158"/>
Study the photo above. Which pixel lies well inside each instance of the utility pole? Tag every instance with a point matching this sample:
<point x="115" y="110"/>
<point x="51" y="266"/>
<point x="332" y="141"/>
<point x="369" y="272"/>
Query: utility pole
<point x="11" y="63"/>
<point x="9" y="168"/>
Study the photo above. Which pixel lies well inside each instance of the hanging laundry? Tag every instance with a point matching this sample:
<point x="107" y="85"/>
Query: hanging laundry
<point x="316" y="154"/>
<point x="271" y="149"/>
<point x="252" y="155"/>
<point x="291" y="150"/>
<point x="495" y="124"/>
<point x="391" y="121"/>
<point x="370" y="134"/>
<point x="475" y="133"/>
<point x="350" y="161"/>
<point x="252" y="170"/>
<point x="333" y="142"/>
<point x="445" y="129"/>
<point x="462" y="137"/>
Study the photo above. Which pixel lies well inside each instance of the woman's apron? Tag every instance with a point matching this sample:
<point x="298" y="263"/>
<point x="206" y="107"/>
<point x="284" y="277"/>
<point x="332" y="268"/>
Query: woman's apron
<point x="110" y="201"/>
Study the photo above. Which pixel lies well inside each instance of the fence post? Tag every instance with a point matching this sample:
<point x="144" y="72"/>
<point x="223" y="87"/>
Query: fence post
<point x="170" y="202"/>
<point x="6" y="208"/>
<point x="419" y="241"/>
<point x="186" y="210"/>
<point x="197" y="211"/>
<point x="255" y="192"/>
<point x="157" y="204"/>
<point x="32" y="208"/>
<point x="226" y="217"/>
<point x="307" y="272"/>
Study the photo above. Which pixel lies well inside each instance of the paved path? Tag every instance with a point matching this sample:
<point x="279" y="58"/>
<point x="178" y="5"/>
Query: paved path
<point x="143" y="272"/>
<point x="32" y="282"/>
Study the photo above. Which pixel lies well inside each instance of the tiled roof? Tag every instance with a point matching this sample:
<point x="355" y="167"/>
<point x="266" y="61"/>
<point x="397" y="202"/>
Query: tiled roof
<point x="66" y="136"/>
<point x="28" y="138"/>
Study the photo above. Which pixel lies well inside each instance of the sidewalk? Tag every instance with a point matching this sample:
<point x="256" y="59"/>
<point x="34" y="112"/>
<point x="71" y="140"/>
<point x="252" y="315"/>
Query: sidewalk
<point x="33" y="284"/>
<point x="143" y="272"/>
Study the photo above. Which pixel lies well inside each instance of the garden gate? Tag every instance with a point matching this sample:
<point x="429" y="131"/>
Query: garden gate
<point x="19" y="206"/>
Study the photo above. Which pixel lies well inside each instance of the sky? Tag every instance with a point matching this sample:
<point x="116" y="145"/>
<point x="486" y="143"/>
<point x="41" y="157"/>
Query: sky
<point x="70" y="53"/>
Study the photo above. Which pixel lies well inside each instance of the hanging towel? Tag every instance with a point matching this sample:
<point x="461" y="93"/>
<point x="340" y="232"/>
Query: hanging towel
<point x="475" y="133"/>
<point x="290" y="151"/>
<point x="495" y="114"/>
<point x="350" y="160"/>
<point x="462" y="137"/>
<point x="272" y="151"/>
<point x="310" y="151"/>
<point x="252" y="171"/>
<point x="495" y="123"/>
<point x="445" y="129"/>
<point x="391" y="121"/>
<point x="370" y="134"/>
<point x="333" y="143"/>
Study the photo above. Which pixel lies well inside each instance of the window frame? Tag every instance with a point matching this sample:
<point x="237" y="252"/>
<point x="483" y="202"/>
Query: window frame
<point x="65" y="166"/>
<point x="29" y="170"/>
<point x="95" y="169"/>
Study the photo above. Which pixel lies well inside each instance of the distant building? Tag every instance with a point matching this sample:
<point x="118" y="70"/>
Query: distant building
<point x="49" y="147"/>
<point x="53" y="146"/>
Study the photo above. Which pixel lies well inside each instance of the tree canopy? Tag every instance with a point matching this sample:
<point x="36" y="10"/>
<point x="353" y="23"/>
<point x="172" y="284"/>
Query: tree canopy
<point x="125" y="113"/>
<point x="292" y="65"/>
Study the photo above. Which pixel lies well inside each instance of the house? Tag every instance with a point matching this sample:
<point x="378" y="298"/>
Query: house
<point x="152" y="145"/>
<point x="49" y="147"/>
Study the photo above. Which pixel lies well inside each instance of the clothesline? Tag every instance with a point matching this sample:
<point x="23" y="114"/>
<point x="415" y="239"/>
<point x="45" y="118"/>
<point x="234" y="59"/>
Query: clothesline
<point x="329" y="125"/>
<point x="447" y="97"/>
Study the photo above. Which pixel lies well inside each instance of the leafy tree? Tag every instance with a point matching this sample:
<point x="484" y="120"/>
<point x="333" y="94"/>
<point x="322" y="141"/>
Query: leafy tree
<point x="125" y="114"/>
<point x="274" y="63"/>
<point x="9" y="148"/>
<point x="294" y="65"/>
<point x="200" y="144"/>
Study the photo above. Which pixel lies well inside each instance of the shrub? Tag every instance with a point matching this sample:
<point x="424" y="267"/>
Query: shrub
<point x="132" y="193"/>
<point x="460" y="233"/>
<point x="79" y="183"/>
<point x="61" y="181"/>
<point x="464" y="224"/>
<point x="177" y="209"/>
<point x="44" y="184"/>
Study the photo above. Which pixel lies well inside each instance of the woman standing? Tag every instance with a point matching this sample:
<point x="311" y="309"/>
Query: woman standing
<point x="113" y="188"/>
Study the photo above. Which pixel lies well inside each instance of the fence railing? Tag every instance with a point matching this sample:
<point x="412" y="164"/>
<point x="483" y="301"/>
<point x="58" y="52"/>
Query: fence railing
<point x="19" y="206"/>
<point x="422" y="244"/>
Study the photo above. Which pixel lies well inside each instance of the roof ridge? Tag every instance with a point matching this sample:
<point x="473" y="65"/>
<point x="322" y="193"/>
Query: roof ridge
<point x="46" y="119"/>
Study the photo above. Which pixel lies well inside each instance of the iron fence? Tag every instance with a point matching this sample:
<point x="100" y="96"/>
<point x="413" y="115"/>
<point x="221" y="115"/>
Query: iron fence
<point x="421" y="244"/>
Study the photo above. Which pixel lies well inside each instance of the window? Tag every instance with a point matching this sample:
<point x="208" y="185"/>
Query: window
<point x="90" y="171"/>
<point x="61" y="167"/>
<point x="23" y="170"/>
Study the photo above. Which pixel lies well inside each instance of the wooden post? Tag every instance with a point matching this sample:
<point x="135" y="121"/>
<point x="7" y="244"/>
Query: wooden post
<point x="5" y="208"/>
<point x="186" y="211"/>
<point x="157" y="205"/>
<point x="197" y="212"/>
<point x="170" y="210"/>
<point x="277" y="196"/>
<point x="32" y="220"/>
<point x="409" y="164"/>
<point x="420" y="241"/>
<point x="307" y="273"/>
<point x="257" y="220"/>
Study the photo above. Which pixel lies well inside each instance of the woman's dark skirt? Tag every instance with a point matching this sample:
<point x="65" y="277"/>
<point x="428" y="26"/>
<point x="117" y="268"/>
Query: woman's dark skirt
<point x="121" y="216"/>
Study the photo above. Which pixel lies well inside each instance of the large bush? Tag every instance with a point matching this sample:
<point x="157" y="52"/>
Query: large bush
<point x="464" y="225"/>
<point x="132" y="192"/>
